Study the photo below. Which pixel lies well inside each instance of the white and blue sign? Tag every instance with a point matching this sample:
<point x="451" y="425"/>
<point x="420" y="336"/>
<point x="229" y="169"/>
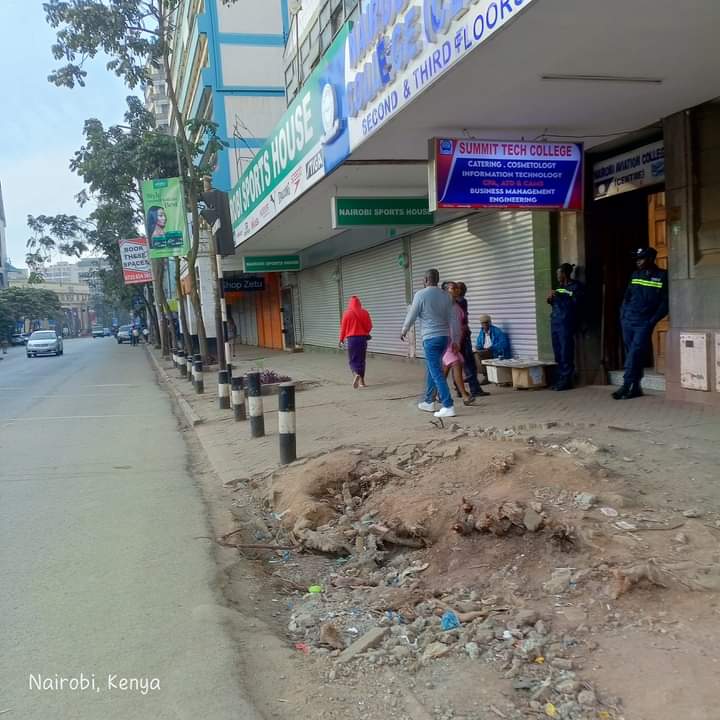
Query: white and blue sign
<point x="469" y="173"/>
<point x="398" y="48"/>
<point x="629" y="171"/>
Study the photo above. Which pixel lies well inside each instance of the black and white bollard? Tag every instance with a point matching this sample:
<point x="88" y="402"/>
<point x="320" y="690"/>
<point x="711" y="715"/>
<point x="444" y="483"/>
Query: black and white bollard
<point x="198" y="379"/>
<point x="238" y="399"/>
<point x="223" y="390"/>
<point x="286" y="423"/>
<point x="189" y="367"/>
<point x="255" y="405"/>
<point x="182" y="365"/>
<point x="173" y="356"/>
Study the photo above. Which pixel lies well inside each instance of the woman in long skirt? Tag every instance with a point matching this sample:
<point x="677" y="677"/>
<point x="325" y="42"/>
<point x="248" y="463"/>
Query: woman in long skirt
<point x="355" y="329"/>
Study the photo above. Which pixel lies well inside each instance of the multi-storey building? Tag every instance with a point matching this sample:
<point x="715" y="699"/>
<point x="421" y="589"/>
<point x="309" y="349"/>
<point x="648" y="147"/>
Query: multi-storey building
<point x="62" y="272"/>
<point x="3" y="249"/>
<point x="156" y="99"/>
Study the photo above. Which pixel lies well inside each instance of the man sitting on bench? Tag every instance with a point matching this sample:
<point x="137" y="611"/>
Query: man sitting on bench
<point x="491" y="343"/>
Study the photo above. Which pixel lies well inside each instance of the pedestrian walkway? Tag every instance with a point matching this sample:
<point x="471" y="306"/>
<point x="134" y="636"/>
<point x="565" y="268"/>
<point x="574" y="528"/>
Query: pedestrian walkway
<point x="650" y="436"/>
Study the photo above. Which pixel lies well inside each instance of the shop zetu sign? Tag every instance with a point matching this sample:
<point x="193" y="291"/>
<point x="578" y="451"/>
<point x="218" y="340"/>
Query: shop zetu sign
<point x="248" y="283"/>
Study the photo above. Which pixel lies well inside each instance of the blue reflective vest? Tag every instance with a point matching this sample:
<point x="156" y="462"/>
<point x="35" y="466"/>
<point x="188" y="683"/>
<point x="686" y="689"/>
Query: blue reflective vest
<point x="646" y="297"/>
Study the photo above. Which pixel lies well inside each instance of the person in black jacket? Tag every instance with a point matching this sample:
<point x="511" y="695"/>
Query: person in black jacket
<point x="565" y="301"/>
<point x="645" y="304"/>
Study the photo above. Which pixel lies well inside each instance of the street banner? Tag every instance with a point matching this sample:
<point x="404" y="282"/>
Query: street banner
<point x="165" y="218"/>
<point x="308" y="143"/>
<point x="380" y="211"/>
<point x="135" y="261"/>
<point x="503" y="174"/>
<point x="629" y="171"/>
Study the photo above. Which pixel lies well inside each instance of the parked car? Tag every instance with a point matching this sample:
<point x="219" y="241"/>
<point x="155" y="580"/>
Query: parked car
<point x="18" y="339"/>
<point x="106" y="332"/>
<point x="44" y="342"/>
<point x="123" y="334"/>
<point x="97" y="331"/>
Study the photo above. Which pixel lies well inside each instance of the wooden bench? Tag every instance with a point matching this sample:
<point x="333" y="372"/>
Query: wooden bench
<point x="521" y="374"/>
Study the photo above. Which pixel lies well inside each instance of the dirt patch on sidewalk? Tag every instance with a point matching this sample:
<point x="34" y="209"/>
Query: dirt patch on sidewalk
<point x="531" y="560"/>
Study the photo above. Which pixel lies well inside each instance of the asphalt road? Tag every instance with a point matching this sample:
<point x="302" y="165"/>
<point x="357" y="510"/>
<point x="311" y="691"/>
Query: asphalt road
<point x="100" y="569"/>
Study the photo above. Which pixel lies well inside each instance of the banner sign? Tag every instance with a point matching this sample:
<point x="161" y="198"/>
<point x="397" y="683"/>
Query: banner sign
<point x="165" y="218"/>
<point x="272" y="263"/>
<point x="398" y="48"/>
<point x="363" y="211"/>
<point x="135" y="261"/>
<point x="243" y="283"/>
<point x="309" y="142"/>
<point x="629" y="171"/>
<point x="466" y="173"/>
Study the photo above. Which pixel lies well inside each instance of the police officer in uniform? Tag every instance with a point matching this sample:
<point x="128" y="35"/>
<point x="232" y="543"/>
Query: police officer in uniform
<point x="645" y="304"/>
<point x="565" y="302"/>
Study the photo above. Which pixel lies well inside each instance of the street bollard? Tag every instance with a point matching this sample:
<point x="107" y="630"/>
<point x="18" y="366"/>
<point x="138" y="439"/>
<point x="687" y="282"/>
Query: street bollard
<point x="173" y="357"/>
<point x="199" y="381"/>
<point x="255" y="405"/>
<point x="223" y="390"/>
<point x="189" y="367"/>
<point x="286" y="423"/>
<point x="238" y="399"/>
<point x="182" y="365"/>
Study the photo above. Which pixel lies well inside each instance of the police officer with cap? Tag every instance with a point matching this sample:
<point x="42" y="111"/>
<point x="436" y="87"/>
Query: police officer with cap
<point x="645" y="304"/>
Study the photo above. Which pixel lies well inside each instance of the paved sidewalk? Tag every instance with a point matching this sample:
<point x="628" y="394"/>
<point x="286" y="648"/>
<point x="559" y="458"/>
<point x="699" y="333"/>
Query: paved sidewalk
<point x="651" y="437"/>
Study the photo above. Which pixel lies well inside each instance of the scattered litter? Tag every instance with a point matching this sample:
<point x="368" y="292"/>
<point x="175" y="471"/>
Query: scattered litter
<point x="624" y="525"/>
<point x="449" y="620"/>
<point x="315" y="589"/>
<point x="551" y="710"/>
<point x="304" y="648"/>
<point x="507" y="635"/>
<point x="693" y="513"/>
<point x="609" y="512"/>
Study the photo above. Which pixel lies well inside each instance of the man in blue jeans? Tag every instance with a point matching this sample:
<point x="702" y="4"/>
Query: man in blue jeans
<point x="440" y="326"/>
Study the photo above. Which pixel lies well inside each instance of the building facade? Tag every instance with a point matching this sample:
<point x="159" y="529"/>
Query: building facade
<point x="156" y="99"/>
<point x="4" y="262"/>
<point x="377" y="90"/>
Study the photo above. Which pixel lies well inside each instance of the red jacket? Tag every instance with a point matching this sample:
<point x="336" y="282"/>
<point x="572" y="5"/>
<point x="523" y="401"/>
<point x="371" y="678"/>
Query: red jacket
<point x="355" y="320"/>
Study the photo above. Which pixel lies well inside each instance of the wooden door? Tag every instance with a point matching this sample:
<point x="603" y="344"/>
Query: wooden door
<point x="657" y="231"/>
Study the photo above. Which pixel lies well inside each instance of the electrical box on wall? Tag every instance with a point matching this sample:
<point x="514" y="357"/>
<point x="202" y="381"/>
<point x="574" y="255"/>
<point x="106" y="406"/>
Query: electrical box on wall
<point x="694" y="361"/>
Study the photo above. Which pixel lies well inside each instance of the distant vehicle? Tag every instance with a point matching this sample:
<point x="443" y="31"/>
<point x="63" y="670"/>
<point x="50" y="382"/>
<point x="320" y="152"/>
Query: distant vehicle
<point x="106" y="332"/>
<point x="98" y="331"/>
<point x="18" y="339"/>
<point x="44" y="342"/>
<point x="123" y="334"/>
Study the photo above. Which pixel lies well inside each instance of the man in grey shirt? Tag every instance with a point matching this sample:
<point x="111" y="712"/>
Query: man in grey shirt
<point x="440" y="326"/>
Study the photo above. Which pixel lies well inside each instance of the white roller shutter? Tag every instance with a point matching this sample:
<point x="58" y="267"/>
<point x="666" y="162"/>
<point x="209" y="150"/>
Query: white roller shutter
<point x="377" y="278"/>
<point x="492" y="253"/>
<point x="320" y="305"/>
<point x="247" y="325"/>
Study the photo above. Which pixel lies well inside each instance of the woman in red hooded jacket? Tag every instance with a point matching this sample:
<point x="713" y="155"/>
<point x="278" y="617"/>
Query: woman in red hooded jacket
<point x="355" y="328"/>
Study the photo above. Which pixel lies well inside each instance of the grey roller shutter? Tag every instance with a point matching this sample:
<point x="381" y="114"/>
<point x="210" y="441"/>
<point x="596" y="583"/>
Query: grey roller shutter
<point x="378" y="279"/>
<point x="320" y="305"/>
<point x="492" y="253"/>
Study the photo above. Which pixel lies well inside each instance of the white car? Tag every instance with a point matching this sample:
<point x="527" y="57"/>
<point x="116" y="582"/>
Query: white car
<point x="44" y="342"/>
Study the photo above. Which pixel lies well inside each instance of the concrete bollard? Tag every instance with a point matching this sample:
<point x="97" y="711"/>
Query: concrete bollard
<point x="238" y="399"/>
<point x="255" y="405"/>
<point x="198" y="380"/>
<point x="286" y="423"/>
<point x="223" y="390"/>
<point x="182" y="365"/>
<point x="189" y="367"/>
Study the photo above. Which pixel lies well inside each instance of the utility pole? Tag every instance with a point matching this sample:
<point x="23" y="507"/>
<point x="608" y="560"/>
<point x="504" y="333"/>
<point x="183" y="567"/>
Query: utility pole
<point x="215" y="260"/>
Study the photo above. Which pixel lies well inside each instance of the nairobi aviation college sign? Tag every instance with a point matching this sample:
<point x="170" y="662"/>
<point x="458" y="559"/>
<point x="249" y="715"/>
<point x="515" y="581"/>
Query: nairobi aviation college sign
<point x="376" y="67"/>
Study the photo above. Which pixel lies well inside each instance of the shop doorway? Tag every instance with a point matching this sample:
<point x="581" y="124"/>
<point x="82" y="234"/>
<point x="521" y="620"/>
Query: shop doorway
<point x="657" y="237"/>
<point x="615" y="228"/>
<point x="288" y="317"/>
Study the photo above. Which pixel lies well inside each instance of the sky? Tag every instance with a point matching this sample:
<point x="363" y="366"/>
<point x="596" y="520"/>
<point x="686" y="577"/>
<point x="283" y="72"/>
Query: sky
<point x="41" y="124"/>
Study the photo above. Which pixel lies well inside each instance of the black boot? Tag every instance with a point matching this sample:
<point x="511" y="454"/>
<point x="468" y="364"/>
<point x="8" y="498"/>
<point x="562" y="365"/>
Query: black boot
<point x="621" y="393"/>
<point x="634" y="392"/>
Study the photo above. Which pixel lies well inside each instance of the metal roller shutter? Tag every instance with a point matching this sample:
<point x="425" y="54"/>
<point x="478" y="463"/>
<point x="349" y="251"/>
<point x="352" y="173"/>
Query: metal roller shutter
<point x="492" y="253"/>
<point x="377" y="278"/>
<point x="320" y="305"/>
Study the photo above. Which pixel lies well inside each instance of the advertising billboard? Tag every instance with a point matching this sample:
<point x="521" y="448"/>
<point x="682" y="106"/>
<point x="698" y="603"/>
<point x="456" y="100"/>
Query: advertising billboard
<point x="165" y="218"/>
<point x="135" y="261"/>
<point x="629" y="171"/>
<point x="501" y="174"/>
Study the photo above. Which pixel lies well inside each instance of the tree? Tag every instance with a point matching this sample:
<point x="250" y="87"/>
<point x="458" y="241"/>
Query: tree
<point x="24" y="303"/>
<point x="135" y="35"/>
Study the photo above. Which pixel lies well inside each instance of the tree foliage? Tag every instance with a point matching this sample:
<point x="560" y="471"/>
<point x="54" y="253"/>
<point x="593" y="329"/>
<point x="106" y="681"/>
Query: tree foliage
<point x="24" y="303"/>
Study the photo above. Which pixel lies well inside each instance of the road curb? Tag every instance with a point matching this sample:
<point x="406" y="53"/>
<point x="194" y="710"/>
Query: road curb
<point x="191" y="417"/>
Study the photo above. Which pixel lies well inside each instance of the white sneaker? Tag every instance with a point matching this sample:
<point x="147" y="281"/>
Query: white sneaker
<point x="427" y="407"/>
<point x="445" y="412"/>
